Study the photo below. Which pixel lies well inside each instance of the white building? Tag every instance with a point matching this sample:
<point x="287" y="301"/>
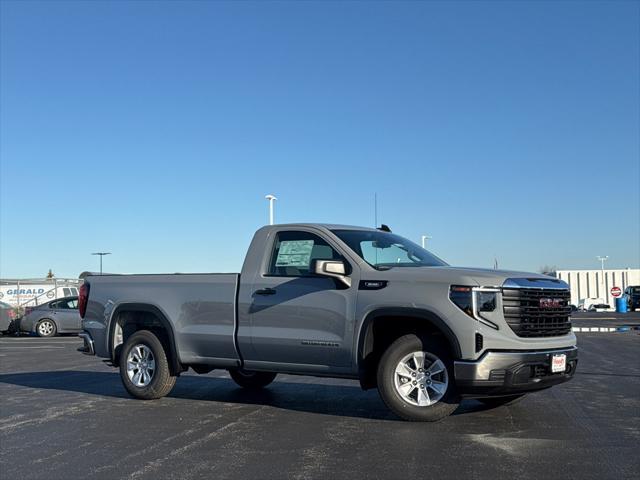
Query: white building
<point x="593" y="284"/>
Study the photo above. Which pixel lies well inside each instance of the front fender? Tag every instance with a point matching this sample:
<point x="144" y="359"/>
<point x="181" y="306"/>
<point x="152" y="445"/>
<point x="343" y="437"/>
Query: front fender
<point x="407" y="312"/>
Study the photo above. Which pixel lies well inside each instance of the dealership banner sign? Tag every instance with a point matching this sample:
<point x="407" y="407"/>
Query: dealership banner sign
<point x="18" y="295"/>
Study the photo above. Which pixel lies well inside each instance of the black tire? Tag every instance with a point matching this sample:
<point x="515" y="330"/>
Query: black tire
<point x="494" y="402"/>
<point x="161" y="381"/>
<point x="43" y="331"/>
<point x="391" y="358"/>
<point x="252" y="380"/>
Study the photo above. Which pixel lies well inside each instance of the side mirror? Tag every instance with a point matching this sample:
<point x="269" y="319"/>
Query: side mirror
<point x="332" y="268"/>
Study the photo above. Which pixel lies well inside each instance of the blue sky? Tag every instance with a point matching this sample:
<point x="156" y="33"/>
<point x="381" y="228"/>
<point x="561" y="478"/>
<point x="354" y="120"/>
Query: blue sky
<point x="154" y="129"/>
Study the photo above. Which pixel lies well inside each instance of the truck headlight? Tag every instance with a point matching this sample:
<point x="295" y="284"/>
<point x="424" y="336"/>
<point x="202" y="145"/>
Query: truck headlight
<point x="462" y="297"/>
<point x="475" y="300"/>
<point x="486" y="301"/>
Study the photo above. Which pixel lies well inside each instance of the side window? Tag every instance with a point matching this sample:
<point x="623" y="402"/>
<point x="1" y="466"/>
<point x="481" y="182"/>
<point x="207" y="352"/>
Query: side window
<point x="66" y="292"/>
<point x="294" y="254"/>
<point x="54" y="304"/>
<point x="74" y="291"/>
<point x="63" y="304"/>
<point x="72" y="304"/>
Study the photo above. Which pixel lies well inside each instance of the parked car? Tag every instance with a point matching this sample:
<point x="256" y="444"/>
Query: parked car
<point x="7" y="316"/>
<point x="632" y="294"/>
<point x="339" y="301"/>
<point x="588" y="304"/>
<point x="599" y="307"/>
<point x="51" y="318"/>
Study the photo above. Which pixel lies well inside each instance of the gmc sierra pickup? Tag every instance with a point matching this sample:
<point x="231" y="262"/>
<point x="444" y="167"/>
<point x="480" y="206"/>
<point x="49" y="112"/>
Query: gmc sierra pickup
<point x="339" y="301"/>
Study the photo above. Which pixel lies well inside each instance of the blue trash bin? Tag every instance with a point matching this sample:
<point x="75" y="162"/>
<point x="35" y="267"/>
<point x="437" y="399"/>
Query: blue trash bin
<point x="621" y="305"/>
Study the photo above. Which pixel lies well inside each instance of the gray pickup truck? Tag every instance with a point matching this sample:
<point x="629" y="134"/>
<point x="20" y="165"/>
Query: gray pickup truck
<point x="339" y="301"/>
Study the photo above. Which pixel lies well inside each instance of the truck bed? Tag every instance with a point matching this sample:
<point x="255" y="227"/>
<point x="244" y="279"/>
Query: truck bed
<point x="201" y="306"/>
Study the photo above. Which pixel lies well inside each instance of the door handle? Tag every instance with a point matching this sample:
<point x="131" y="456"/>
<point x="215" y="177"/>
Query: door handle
<point x="265" y="291"/>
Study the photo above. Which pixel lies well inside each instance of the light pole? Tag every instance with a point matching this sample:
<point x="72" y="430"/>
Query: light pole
<point x="602" y="260"/>
<point x="101" y="254"/>
<point x="271" y="199"/>
<point x="424" y="240"/>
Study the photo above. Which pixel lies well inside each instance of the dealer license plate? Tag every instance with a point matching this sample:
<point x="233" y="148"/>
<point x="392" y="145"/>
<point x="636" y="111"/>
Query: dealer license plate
<point x="558" y="363"/>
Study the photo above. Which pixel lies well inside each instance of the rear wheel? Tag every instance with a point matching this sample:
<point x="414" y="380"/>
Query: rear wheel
<point x="415" y="379"/>
<point x="494" y="402"/>
<point x="46" y="328"/>
<point x="144" y="368"/>
<point x="252" y="380"/>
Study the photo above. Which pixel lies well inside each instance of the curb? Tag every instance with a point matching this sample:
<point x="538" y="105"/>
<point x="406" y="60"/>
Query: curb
<point x="604" y="329"/>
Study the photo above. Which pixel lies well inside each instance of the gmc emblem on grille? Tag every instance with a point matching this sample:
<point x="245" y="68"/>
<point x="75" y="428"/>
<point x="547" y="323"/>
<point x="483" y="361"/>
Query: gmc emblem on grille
<point x="550" y="303"/>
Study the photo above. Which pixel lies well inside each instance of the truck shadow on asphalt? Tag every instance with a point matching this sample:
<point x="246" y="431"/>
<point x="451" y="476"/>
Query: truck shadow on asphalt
<point x="335" y="400"/>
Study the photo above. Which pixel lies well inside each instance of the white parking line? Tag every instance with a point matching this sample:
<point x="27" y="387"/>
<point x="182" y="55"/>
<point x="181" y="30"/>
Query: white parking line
<point x="39" y="342"/>
<point x="22" y="348"/>
<point x="595" y="318"/>
<point x="602" y="329"/>
<point x="40" y="345"/>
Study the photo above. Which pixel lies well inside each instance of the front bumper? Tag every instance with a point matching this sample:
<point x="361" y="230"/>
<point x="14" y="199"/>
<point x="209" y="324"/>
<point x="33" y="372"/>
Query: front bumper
<point x="87" y="348"/>
<point x="512" y="372"/>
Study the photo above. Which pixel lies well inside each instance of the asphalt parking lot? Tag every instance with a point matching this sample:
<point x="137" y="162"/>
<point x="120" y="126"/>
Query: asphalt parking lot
<point x="65" y="415"/>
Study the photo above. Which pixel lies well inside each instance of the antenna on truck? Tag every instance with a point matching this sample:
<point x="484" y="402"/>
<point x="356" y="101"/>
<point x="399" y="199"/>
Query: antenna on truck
<point x="375" y="210"/>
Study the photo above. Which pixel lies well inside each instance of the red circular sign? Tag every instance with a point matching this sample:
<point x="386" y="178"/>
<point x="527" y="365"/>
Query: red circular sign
<point x="616" y="292"/>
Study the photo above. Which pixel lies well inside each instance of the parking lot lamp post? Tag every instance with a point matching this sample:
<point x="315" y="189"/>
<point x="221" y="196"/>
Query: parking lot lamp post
<point x="101" y="254"/>
<point x="602" y="260"/>
<point x="271" y="199"/>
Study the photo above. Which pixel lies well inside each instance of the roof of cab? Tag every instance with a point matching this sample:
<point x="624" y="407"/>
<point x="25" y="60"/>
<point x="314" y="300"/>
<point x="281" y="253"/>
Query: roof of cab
<point x="328" y="226"/>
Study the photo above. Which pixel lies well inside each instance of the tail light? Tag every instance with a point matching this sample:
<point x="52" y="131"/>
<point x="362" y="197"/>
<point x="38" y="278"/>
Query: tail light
<point x="83" y="298"/>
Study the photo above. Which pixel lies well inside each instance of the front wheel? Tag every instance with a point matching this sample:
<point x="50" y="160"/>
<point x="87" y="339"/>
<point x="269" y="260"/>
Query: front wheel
<point x="415" y="379"/>
<point x="144" y="368"/>
<point x="252" y="380"/>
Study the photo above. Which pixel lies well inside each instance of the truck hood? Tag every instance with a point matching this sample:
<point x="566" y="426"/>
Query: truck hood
<point x="474" y="276"/>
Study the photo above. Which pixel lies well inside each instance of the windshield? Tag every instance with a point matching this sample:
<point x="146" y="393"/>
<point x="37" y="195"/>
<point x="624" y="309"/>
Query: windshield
<point x="385" y="250"/>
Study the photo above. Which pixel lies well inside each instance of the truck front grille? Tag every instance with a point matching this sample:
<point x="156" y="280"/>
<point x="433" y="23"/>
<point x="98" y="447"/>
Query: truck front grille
<point x="534" y="312"/>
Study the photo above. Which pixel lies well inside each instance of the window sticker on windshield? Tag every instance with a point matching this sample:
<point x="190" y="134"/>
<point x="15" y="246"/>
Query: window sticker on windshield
<point x="294" y="253"/>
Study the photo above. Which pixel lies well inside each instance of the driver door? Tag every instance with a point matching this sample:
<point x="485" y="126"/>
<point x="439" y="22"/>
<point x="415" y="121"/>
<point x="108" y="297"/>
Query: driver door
<point x="295" y="316"/>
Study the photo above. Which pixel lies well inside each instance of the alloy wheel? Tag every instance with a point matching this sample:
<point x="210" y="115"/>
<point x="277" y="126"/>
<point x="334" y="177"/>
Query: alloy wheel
<point x="141" y="365"/>
<point x="45" y="328"/>
<point x="421" y="379"/>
